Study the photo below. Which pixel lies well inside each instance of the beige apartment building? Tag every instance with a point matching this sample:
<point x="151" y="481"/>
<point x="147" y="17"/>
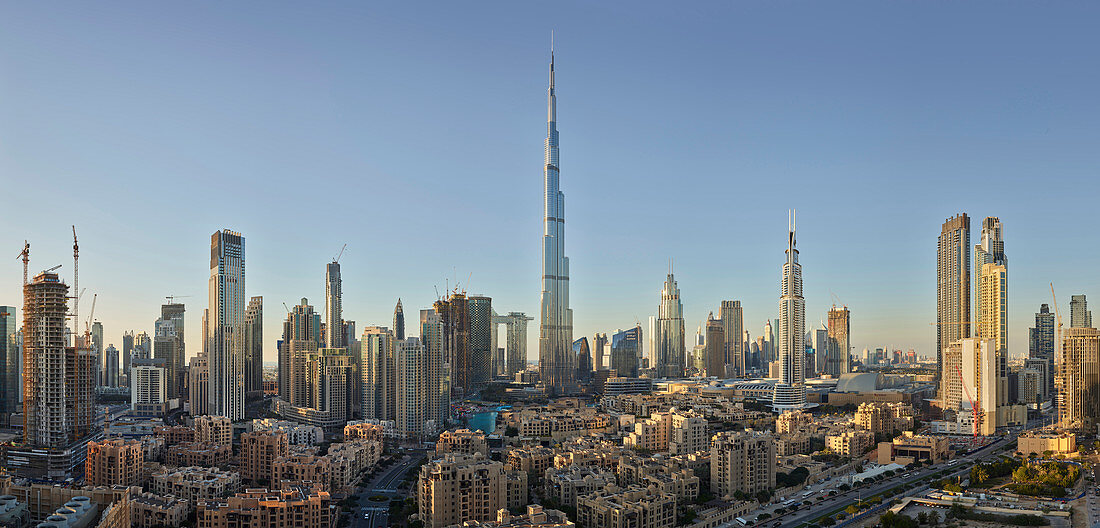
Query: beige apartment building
<point x="459" y="488"/>
<point x="791" y="421"/>
<point x="217" y="430"/>
<point x="148" y="510"/>
<point x="909" y="448"/>
<point x="300" y="470"/>
<point x="1077" y="376"/>
<point x="673" y="431"/>
<point x="633" y="507"/>
<point x="195" y="483"/>
<point x="299" y="507"/>
<point x="742" y="461"/>
<point x="114" y="462"/>
<point x="463" y="441"/>
<point x="883" y="417"/>
<point x="259" y="450"/>
<point x="198" y="454"/>
<point x="850" y="444"/>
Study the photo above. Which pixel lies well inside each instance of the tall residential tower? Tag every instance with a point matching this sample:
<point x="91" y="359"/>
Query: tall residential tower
<point x="225" y="325"/>
<point x="952" y="284"/>
<point x="790" y="391"/>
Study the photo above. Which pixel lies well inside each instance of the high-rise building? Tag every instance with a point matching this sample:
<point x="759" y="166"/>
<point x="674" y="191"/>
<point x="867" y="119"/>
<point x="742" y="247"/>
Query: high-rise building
<point x="253" y="336"/>
<point x="767" y="350"/>
<point x="556" y="366"/>
<point x="148" y="387"/>
<point x="821" y="349"/>
<point x="838" y="352"/>
<point x="455" y="316"/>
<point x="437" y="371"/>
<point x="992" y="323"/>
<point x="625" y="349"/>
<point x="10" y="362"/>
<point x="225" y="325"/>
<point x="733" y="326"/>
<point x="952" y="284"/>
<point x="1041" y="337"/>
<point x="128" y="350"/>
<point x="599" y="343"/>
<point x="168" y="349"/>
<point x="583" y="353"/>
<point x="1078" y="379"/>
<point x="790" y="391"/>
<point x="110" y="366"/>
<point x="97" y="347"/>
<point x="715" y="344"/>
<point x="58" y="380"/>
<point x="333" y="306"/>
<point x="174" y="312"/>
<point x="379" y="374"/>
<point x="398" y="321"/>
<point x="670" y="331"/>
<point x="301" y="337"/>
<point x="481" y="347"/>
<point x="516" y="345"/>
<point x="414" y="390"/>
<point x="1079" y="314"/>
<point x="459" y="488"/>
<point x="970" y="374"/>
<point x="114" y="462"/>
<point x="143" y="346"/>
<point x="198" y="380"/>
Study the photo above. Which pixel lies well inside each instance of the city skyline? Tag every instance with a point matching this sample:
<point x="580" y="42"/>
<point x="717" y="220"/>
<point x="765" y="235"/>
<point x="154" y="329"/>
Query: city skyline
<point x="132" y="279"/>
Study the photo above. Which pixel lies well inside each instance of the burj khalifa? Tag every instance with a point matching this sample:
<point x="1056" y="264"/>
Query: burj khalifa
<point x="557" y="366"/>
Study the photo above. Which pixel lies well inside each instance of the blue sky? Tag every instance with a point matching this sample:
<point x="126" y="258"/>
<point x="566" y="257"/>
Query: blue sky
<point x="414" y="133"/>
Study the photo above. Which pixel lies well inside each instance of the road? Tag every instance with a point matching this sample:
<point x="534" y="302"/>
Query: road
<point x="1092" y="502"/>
<point x="805" y="517"/>
<point x="369" y="514"/>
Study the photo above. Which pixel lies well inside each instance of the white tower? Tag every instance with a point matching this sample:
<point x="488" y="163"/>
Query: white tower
<point x="790" y="391"/>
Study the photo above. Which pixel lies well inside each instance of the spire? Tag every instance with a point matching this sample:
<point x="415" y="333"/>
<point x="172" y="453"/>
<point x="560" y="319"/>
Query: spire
<point x="552" y="102"/>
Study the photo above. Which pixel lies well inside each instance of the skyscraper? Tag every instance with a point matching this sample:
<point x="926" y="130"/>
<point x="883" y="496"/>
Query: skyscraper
<point x="599" y="343"/>
<point x="992" y="320"/>
<point x="58" y="380"/>
<point x="584" y="359"/>
<point x="1041" y="345"/>
<point x="128" y="351"/>
<point x="168" y="350"/>
<point x="254" y="347"/>
<point x="716" y="346"/>
<point x="334" y="321"/>
<point x="670" y="331"/>
<point x="227" y="304"/>
<point x="301" y="338"/>
<point x="625" y="347"/>
<point x="481" y="347"/>
<point x="97" y="348"/>
<point x="821" y="349"/>
<point x="556" y="358"/>
<point x="398" y="321"/>
<point x="10" y="352"/>
<point x="952" y="284"/>
<point x="1079" y="314"/>
<point x="174" y="312"/>
<point x="516" y="342"/>
<point x="1078" y="379"/>
<point x="437" y="384"/>
<point x="970" y="374"/>
<point x="379" y="374"/>
<point x="733" y="326"/>
<point x="790" y="391"/>
<point x="110" y="366"/>
<point x="454" y="314"/>
<point x="838" y="352"/>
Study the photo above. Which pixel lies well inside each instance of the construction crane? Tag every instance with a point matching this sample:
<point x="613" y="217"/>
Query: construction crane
<point x="337" y="259"/>
<point x="25" y="255"/>
<point x="1058" y="337"/>
<point x="285" y="308"/>
<point x="76" y="287"/>
<point x="91" y="315"/>
<point x="172" y="298"/>
<point x="51" y="269"/>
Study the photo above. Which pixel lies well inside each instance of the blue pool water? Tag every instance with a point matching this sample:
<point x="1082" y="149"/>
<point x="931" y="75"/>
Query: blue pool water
<point x="486" y="421"/>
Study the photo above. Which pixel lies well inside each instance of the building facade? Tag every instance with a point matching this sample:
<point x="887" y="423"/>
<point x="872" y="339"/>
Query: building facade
<point x="952" y="284"/>
<point x="225" y="325"/>
<point x="669" y="355"/>
<point x="742" y="461"/>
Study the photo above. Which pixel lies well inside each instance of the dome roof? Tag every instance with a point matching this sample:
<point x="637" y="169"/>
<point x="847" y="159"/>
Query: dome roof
<point x="860" y="382"/>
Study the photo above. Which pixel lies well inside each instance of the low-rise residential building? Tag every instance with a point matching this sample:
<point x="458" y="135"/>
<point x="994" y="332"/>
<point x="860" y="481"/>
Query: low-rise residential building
<point x="296" y="433"/>
<point x="153" y="448"/>
<point x="300" y="470"/>
<point x="348" y="460"/>
<point x="195" y="483"/>
<point x="791" y="421"/>
<point x="884" y="417"/>
<point x="742" y="461"/>
<point x="636" y="506"/>
<point x="536" y="517"/>
<point x="259" y="450"/>
<point x="217" y="430"/>
<point x="370" y="429"/>
<point x="198" y="454"/>
<point x="298" y="507"/>
<point x="114" y="462"/>
<point x="175" y="434"/>
<point x="792" y="444"/>
<point x="534" y="460"/>
<point x="459" y="488"/>
<point x="1039" y="443"/>
<point x="557" y="423"/>
<point x="674" y="431"/>
<point x="909" y="448"/>
<point x="566" y="484"/>
<point x="850" y="444"/>
<point x="588" y="451"/>
<point x="668" y="475"/>
<point x="462" y="441"/>
<point x="149" y="510"/>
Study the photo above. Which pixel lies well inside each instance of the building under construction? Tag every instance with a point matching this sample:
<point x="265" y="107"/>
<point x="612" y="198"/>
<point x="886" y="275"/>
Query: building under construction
<point x="58" y="384"/>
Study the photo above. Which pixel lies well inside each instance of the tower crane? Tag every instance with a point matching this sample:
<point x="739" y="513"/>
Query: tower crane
<point x="975" y="412"/>
<point x="25" y="255"/>
<point x="76" y="288"/>
<point x="91" y="315"/>
<point x="337" y="259"/>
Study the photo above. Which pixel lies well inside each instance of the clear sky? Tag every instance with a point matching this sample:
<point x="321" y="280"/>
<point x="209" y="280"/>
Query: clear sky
<point x="414" y="134"/>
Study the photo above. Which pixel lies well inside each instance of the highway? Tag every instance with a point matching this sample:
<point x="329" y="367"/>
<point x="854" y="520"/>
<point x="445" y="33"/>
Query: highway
<point x="806" y="515"/>
<point x="370" y="514"/>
